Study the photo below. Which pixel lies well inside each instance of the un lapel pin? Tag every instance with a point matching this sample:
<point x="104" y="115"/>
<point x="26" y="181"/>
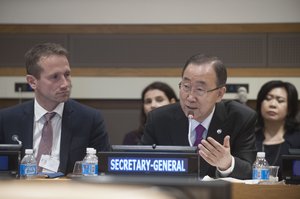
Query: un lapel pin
<point x="219" y="131"/>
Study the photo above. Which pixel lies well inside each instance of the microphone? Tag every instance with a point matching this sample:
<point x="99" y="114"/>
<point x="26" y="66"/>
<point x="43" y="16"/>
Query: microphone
<point x="190" y="116"/>
<point x="16" y="139"/>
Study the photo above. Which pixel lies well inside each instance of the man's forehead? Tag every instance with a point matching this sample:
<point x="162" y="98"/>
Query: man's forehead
<point x="196" y="82"/>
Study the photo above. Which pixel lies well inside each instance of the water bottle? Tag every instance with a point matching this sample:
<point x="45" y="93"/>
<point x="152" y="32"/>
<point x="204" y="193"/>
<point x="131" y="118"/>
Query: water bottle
<point x="90" y="163"/>
<point x="260" y="168"/>
<point x="28" y="166"/>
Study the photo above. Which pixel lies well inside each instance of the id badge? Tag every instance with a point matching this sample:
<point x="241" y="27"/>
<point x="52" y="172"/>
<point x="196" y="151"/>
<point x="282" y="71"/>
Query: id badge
<point x="49" y="163"/>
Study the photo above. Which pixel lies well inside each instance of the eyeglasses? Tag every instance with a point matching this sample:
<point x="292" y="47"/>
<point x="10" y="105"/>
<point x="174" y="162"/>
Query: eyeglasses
<point x="187" y="87"/>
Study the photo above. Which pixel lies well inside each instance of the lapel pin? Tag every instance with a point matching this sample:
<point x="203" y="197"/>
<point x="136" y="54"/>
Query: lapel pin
<point x="219" y="131"/>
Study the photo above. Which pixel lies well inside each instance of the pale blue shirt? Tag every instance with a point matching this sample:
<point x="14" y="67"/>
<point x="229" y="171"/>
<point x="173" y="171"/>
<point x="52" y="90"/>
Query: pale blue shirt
<point x="205" y="123"/>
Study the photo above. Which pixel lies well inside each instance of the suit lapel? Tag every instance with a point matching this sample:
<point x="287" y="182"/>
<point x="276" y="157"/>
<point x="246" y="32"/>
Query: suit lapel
<point x="217" y="130"/>
<point x="27" y="125"/>
<point x="65" y="136"/>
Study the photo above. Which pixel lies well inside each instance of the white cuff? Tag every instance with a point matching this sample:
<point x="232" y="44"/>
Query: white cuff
<point x="229" y="170"/>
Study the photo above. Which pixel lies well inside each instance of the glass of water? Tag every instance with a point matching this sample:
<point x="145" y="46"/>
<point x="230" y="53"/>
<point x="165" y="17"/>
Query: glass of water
<point x="77" y="170"/>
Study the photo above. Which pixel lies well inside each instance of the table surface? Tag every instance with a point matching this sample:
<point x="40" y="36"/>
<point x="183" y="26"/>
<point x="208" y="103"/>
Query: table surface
<point x="264" y="191"/>
<point x="66" y="188"/>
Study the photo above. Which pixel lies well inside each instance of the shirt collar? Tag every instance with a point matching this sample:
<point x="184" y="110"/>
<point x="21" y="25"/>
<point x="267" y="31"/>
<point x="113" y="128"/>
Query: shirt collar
<point x="205" y="122"/>
<point x="39" y="111"/>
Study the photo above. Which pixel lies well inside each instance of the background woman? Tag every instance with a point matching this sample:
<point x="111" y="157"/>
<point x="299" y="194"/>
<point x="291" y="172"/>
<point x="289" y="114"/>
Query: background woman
<point x="277" y="127"/>
<point x="153" y="96"/>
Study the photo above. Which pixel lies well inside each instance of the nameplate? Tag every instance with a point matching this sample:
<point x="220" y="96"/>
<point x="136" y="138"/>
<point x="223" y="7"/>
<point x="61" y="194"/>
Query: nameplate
<point x="136" y="164"/>
<point x="160" y="163"/>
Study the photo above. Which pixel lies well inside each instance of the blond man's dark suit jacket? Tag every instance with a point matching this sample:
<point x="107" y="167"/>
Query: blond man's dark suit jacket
<point x="82" y="127"/>
<point x="169" y="126"/>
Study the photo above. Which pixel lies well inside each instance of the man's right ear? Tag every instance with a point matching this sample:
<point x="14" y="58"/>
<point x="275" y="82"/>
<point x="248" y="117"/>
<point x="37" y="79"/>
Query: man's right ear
<point x="31" y="80"/>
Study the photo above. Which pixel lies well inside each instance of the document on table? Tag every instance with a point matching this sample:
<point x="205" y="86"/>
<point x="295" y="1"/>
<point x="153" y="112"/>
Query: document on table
<point x="229" y="179"/>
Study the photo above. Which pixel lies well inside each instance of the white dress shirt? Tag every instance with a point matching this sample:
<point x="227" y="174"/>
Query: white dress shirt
<point x="38" y="124"/>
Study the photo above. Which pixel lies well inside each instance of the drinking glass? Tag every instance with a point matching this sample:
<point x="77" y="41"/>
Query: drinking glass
<point x="77" y="170"/>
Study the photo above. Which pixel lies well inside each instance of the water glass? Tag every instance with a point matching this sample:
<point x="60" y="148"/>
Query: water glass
<point x="77" y="170"/>
<point x="273" y="173"/>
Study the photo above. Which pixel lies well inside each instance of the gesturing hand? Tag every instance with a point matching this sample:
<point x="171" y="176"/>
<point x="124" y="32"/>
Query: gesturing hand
<point x="216" y="154"/>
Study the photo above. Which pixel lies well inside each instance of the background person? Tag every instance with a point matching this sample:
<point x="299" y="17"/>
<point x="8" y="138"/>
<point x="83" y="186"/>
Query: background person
<point x="74" y="126"/>
<point x="154" y="95"/>
<point x="242" y="95"/>
<point x="229" y="141"/>
<point x="277" y="129"/>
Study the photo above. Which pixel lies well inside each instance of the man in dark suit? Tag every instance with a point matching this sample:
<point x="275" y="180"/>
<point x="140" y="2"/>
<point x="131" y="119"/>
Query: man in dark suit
<point x="74" y="126"/>
<point x="226" y="142"/>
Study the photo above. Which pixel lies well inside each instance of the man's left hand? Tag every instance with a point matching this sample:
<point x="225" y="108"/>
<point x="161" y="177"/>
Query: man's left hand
<point x="216" y="154"/>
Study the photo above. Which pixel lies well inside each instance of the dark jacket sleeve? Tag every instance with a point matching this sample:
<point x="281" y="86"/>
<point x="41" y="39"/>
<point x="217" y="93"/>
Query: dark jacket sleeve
<point x="243" y="147"/>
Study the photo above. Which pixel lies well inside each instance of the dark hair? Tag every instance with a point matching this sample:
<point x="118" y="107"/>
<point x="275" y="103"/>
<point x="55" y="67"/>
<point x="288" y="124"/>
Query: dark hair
<point x="33" y="56"/>
<point x="169" y="92"/>
<point x="292" y="95"/>
<point x="219" y="67"/>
